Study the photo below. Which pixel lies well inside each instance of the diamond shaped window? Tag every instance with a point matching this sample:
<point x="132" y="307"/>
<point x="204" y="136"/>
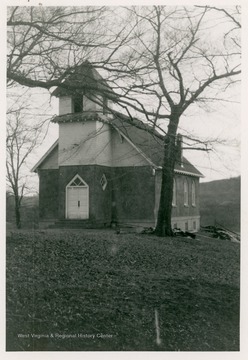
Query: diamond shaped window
<point x="103" y="182"/>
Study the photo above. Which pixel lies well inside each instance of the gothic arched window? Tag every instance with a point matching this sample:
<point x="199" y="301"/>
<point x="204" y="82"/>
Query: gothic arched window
<point x="186" y="192"/>
<point x="193" y="192"/>
<point x="174" y="198"/>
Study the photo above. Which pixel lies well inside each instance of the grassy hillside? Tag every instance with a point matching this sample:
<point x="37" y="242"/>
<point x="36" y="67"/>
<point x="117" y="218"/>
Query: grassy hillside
<point x="220" y="202"/>
<point x="29" y="211"/>
<point x="91" y="290"/>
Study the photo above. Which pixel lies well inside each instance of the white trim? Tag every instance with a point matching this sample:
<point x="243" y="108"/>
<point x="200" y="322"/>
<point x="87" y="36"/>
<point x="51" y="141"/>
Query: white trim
<point x="186" y="192"/>
<point x="188" y="173"/>
<point x="186" y="217"/>
<point x="72" y="180"/>
<point x="182" y="172"/>
<point x="66" y="195"/>
<point x="135" y="147"/>
<point x="44" y="156"/>
<point x="193" y="193"/>
<point x="174" y="198"/>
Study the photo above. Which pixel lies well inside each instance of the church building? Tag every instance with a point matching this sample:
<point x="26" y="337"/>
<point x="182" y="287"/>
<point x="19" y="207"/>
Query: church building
<point x="105" y="168"/>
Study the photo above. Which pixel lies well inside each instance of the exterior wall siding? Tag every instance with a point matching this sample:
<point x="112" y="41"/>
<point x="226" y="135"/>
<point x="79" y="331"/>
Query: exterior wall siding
<point x="90" y="105"/>
<point x="124" y="154"/>
<point x="84" y="143"/>
<point x="134" y="194"/>
<point x="51" y="161"/>
<point x="103" y="144"/>
<point x="48" y="194"/>
<point x="92" y="142"/>
<point x="77" y="143"/>
<point x="65" y="105"/>
<point x="89" y="143"/>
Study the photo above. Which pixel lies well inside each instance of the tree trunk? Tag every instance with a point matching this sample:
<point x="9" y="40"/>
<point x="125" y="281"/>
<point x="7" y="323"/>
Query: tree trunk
<point x="17" y="213"/>
<point x="163" y="227"/>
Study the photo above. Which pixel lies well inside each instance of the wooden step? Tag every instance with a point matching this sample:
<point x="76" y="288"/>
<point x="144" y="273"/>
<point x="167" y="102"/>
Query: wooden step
<point x="78" y="224"/>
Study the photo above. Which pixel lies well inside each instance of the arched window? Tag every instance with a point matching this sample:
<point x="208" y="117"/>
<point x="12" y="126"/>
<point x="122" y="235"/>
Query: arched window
<point x="193" y="193"/>
<point x="174" y="199"/>
<point x="186" y="192"/>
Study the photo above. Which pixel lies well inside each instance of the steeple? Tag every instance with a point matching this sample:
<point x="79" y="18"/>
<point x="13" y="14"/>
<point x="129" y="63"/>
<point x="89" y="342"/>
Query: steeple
<point x="84" y="90"/>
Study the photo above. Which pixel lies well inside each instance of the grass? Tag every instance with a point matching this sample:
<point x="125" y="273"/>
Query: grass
<point x="66" y="285"/>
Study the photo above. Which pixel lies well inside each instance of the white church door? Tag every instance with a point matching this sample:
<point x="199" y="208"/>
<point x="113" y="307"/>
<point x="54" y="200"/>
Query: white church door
<point x="77" y="199"/>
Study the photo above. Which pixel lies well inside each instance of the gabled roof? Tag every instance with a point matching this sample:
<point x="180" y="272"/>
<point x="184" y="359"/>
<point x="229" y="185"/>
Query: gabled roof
<point x="147" y="141"/>
<point x="186" y="168"/>
<point x="86" y="78"/>
<point x="150" y="142"/>
<point x="45" y="156"/>
<point x="143" y="136"/>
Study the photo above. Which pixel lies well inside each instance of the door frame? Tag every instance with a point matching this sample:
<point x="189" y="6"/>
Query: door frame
<point x="85" y="185"/>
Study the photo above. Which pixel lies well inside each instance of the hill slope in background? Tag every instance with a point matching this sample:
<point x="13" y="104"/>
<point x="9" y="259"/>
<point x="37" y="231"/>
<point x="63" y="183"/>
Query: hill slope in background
<point x="220" y="202"/>
<point x="29" y="211"/>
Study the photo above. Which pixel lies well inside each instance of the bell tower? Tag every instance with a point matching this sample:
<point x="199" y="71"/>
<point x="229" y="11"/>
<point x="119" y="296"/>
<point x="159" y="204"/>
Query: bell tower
<point x="84" y="90"/>
<point x="85" y="102"/>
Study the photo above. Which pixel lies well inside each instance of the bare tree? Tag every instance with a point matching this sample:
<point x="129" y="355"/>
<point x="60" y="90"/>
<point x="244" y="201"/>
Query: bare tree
<point x="45" y="44"/>
<point x="183" y="62"/>
<point x="21" y="140"/>
<point x="161" y="61"/>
